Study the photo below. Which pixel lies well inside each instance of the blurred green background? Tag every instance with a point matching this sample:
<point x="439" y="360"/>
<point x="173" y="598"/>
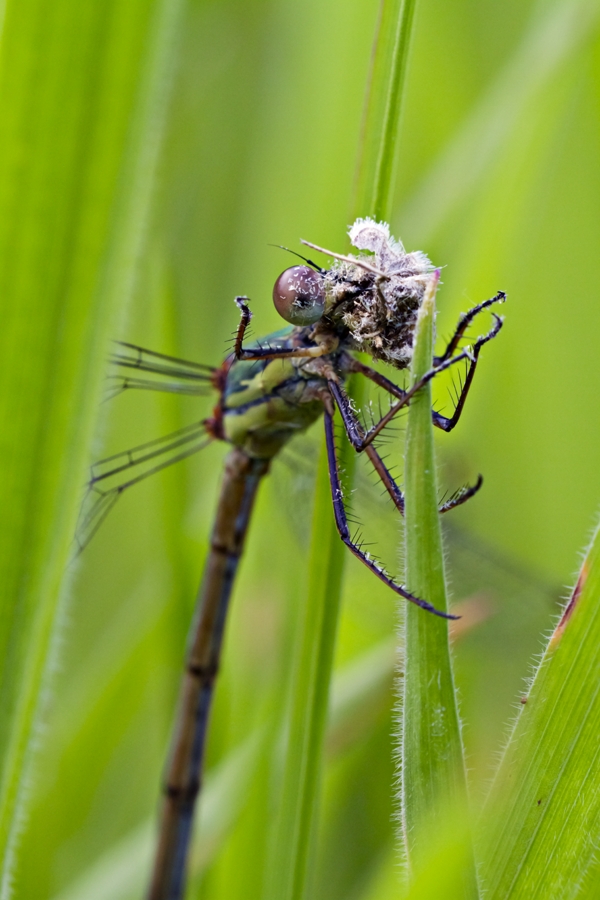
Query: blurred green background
<point x="498" y="182"/>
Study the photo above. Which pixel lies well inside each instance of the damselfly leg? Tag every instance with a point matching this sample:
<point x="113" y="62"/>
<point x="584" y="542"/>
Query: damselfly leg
<point x="439" y="363"/>
<point x="393" y="489"/>
<point x="341" y="522"/>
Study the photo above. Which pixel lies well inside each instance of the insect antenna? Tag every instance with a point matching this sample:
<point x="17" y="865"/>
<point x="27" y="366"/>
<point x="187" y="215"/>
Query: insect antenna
<point x="299" y="255"/>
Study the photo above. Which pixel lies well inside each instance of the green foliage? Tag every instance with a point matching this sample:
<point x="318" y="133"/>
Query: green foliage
<point x="296" y="817"/>
<point x="541" y="820"/>
<point x="498" y="178"/>
<point x="378" y="145"/>
<point x="77" y="155"/>
<point x="432" y="769"/>
<point x="295" y="821"/>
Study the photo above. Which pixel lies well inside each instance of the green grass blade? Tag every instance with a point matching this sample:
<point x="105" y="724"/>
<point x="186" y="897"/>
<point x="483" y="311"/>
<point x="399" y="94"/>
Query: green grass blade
<point x="433" y="777"/>
<point x="541" y="822"/>
<point x="381" y="119"/>
<point x="82" y="93"/>
<point x="295" y="831"/>
<point x="304" y="741"/>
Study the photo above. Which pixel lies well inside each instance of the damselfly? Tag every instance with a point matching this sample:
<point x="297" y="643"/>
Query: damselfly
<point x="269" y="391"/>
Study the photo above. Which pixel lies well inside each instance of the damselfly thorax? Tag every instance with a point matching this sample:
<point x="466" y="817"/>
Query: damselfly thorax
<point x="269" y="391"/>
<point x="264" y="403"/>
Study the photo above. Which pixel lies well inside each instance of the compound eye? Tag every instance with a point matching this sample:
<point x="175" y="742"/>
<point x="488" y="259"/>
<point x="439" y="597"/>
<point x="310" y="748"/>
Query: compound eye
<point x="298" y="295"/>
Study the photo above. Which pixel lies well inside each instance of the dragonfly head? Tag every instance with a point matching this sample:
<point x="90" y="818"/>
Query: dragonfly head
<point x="299" y="296"/>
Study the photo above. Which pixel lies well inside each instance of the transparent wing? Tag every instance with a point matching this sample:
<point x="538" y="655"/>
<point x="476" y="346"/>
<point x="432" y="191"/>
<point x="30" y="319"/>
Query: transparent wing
<point x="185" y="377"/>
<point x="135" y="357"/>
<point x="112" y="476"/>
<point x="119" y="384"/>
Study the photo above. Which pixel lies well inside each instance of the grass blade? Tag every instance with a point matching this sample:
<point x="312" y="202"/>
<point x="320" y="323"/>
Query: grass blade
<point x="82" y="90"/>
<point x="310" y="687"/>
<point x="433" y="777"/>
<point x="377" y="159"/>
<point x="540" y="825"/>
<point x="294" y="836"/>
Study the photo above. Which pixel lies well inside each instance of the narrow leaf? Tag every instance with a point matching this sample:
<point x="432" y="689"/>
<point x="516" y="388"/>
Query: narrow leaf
<point x="304" y="741"/>
<point x="374" y="182"/>
<point x="289" y="873"/>
<point x="540" y="827"/>
<point x="432" y="775"/>
<point x="82" y="93"/>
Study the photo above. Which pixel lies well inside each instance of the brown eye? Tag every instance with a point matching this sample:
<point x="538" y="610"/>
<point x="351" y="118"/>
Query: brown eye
<point x="298" y="295"/>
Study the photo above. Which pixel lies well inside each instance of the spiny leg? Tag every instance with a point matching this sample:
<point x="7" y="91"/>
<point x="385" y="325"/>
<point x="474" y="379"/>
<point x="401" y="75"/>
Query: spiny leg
<point x="386" y="478"/>
<point x="462" y="495"/>
<point x="350" y="364"/>
<point x="440" y="421"/>
<point x="268" y="352"/>
<point x="447" y="423"/>
<point x="392" y="487"/>
<point x="463" y="323"/>
<point x="360" y="442"/>
<point x="341" y="522"/>
<point x="356" y="432"/>
<point x="246" y="316"/>
<point x="359" y="438"/>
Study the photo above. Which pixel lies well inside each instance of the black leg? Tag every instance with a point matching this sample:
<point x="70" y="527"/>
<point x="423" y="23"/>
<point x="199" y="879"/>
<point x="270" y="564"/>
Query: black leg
<point x="440" y="363"/>
<point x="463" y="323"/>
<point x="351" y="365"/>
<point x="341" y="522"/>
<point x="361" y="439"/>
<point x="356" y="433"/>
<point x="448" y="423"/>
<point x="321" y="349"/>
<point x="242" y="305"/>
<point x="462" y="496"/>
<point x="386" y="478"/>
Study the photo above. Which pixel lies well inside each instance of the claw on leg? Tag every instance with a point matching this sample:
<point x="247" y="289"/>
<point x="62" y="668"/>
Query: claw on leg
<point x="462" y="495"/>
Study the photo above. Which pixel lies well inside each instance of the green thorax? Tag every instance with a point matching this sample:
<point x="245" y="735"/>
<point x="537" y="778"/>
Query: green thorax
<point x="267" y="402"/>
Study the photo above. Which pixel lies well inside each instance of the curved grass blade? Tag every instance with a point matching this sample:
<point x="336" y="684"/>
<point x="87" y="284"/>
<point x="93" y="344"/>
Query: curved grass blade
<point x="83" y="90"/>
<point x="374" y="180"/>
<point x="294" y="834"/>
<point x="310" y="687"/>
<point x="433" y="786"/>
<point x="540" y="827"/>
